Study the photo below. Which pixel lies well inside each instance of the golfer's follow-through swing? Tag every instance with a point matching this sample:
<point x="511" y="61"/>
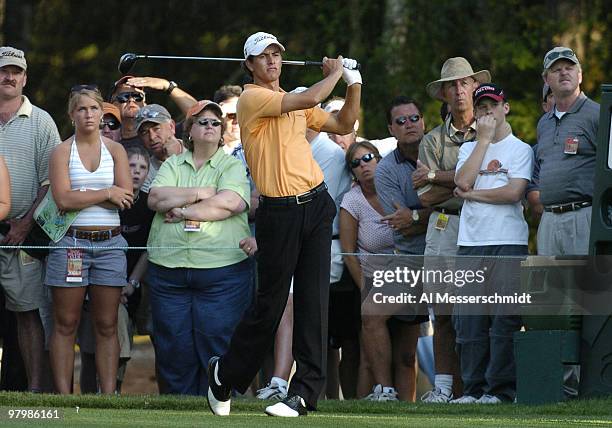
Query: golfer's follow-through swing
<point x="293" y="225"/>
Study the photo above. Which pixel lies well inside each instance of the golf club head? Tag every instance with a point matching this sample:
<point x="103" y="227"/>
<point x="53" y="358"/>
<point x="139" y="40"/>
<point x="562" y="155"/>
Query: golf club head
<point x="126" y="62"/>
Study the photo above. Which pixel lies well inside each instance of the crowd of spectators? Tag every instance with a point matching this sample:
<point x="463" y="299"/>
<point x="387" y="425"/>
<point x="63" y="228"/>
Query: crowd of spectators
<point x="164" y="241"/>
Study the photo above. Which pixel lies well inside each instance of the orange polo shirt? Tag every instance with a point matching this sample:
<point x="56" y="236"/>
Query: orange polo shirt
<point x="275" y="144"/>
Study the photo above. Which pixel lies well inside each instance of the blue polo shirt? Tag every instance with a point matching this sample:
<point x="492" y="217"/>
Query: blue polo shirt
<point x="393" y="181"/>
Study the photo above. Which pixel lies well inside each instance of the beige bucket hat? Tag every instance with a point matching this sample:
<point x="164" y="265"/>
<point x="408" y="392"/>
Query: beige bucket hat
<point x="453" y="69"/>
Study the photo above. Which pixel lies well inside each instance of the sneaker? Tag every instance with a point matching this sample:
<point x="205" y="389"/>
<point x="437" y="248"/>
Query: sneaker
<point x="436" y="395"/>
<point x="290" y="407"/>
<point x="380" y="393"/>
<point x="272" y="391"/>
<point x="488" y="399"/>
<point x="374" y="394"/>
<point x="466" y="399"/>
<point x="219" y="396"/>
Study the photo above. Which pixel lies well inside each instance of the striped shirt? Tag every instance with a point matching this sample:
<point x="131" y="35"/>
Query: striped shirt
<point x="26" y="142"/>
<point x="101" y="178"/>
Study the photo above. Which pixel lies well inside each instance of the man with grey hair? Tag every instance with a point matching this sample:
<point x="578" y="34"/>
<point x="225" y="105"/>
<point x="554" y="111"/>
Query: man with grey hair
<point x="566" y="156"/>
<point x="27" y="137"/>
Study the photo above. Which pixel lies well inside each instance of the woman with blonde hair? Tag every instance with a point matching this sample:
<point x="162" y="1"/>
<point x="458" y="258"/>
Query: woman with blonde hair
<point x="88" y="173"/>
<point x="5" y="190"/>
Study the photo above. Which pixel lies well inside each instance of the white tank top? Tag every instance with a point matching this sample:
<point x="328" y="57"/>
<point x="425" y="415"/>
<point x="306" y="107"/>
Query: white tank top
<point x="101" y="178"/>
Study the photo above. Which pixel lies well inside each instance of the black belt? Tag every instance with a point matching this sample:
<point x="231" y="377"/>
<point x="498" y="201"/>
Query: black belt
<point x="447" y="211"/>
<point x="302" y="198"/>
<point x="94" y="235"/>
<point x="570" y="206"/>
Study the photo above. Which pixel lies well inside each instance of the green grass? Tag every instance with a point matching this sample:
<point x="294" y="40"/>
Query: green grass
<point x="165" y="411"/>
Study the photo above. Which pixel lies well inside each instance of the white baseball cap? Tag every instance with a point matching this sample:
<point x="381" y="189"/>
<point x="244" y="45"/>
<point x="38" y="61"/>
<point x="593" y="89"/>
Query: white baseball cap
<point x="12" y="56"/>
<point x="258" y="42"/>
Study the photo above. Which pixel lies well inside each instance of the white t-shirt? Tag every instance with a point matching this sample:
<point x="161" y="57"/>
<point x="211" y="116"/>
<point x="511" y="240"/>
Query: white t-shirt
<point x="482" y="223"/>
<point x="330" y="158"/>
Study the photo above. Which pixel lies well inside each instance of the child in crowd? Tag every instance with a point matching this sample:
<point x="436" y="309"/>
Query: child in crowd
<point x="492" y="174"/>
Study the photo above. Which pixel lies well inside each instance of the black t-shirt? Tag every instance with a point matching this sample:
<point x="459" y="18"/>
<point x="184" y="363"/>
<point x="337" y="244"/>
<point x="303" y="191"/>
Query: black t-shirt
<point x="135" y="227"/>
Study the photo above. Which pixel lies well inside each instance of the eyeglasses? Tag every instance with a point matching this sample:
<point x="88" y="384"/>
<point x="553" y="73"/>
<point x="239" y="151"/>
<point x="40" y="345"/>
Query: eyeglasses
<point x="366" y="158"/>
<point x="212" y="122"/>
<point x="414" y="118"/>
<point x="124" y="97"/>
<point x="112" y="124"/>
<point x="78" y="88"/>
<point x="568" y="53"/>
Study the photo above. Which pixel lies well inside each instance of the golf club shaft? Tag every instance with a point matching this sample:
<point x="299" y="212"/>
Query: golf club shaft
<point x="208" y="58"/>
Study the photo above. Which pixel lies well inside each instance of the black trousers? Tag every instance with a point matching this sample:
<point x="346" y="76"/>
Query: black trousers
<point x="293" y="241"/>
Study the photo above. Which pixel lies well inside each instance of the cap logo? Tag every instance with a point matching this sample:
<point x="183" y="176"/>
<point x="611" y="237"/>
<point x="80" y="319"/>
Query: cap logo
<point x="11" y="53"/>
<point x="484" y="88"/>
<point x="263" y="37"/>
<point x="149" y="114"/>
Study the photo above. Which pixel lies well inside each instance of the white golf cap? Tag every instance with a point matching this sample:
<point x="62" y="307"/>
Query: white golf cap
<point x="258" y="42"/>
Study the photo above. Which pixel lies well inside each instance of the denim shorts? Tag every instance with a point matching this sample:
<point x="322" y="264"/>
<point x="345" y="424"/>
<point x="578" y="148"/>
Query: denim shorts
<point x="101" y="266"/>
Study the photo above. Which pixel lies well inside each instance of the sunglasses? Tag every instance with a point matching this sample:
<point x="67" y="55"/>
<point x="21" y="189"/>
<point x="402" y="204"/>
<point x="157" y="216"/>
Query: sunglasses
<point x="414" y="118"/>
<point x="112" y="124"/>
<point x="366" y="158"/>
<point x="78" y="88"/>
<point x="124" y="97"/>
<point x="212" y="122"/>
<point x="568" y="53"/>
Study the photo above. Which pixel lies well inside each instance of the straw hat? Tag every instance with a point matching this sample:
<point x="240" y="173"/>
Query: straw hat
<point x="453" y="69"/>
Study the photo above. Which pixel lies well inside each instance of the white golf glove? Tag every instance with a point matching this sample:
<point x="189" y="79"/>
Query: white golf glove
<point x="350" y="74"/>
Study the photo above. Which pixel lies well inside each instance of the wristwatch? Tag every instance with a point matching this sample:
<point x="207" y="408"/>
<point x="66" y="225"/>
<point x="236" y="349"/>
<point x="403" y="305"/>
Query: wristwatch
<point x="431" y="175"/>
<point x="135" y="283"/>
<point x="171" y="86"/>
<point x="415" y="216"/>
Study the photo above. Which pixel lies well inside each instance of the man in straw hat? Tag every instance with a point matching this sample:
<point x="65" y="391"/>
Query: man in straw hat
<point x="434" y="179"/>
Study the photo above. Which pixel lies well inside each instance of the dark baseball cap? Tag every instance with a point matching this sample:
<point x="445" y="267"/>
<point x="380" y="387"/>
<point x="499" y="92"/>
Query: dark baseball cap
<point x="489" y="90"/>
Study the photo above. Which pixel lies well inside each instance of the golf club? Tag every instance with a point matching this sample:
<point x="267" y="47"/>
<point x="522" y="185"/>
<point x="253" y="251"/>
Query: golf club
<point x="127" y="60"/>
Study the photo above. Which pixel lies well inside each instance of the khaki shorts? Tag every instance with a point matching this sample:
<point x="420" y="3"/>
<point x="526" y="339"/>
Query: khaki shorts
<point x="86" y="338"/>
<point x="21" y="277"/>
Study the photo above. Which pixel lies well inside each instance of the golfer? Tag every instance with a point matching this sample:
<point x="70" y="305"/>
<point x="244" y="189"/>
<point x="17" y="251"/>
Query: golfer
<point x="293" y="224"/>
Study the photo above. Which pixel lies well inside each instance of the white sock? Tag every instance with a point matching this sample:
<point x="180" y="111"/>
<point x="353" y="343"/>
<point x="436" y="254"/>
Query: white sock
<point x="279" y="381"/>
<point x="444" y="382"/>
